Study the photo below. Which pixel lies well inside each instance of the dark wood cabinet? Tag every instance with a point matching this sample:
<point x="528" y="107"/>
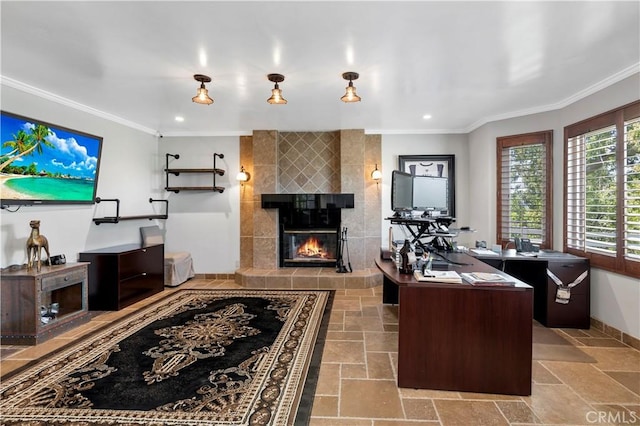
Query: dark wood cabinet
<point x="36" y="306"/>
<point x="573" y="312"/>
<point x="122" y="275"/>
<point x="550" y="311"/>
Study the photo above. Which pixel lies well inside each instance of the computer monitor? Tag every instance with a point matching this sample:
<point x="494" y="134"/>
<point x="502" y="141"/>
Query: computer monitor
<point x="401" y="191"/>
<point x="431" y="193"/>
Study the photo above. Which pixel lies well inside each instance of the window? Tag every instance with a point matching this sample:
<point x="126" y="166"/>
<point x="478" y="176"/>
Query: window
<point x="602" y="195"/>
<point x="524" y="188"/>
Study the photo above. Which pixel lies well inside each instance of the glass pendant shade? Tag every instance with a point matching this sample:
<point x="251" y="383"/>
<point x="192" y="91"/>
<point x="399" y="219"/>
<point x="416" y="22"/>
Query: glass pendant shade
<point x="276" y="96"/>
<point x="203" y="96"/>
<point x="351" y="95"/>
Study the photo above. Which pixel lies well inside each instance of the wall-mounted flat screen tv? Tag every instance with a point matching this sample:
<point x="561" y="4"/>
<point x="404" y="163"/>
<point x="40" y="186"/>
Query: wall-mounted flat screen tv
<point x="42" y="163"/>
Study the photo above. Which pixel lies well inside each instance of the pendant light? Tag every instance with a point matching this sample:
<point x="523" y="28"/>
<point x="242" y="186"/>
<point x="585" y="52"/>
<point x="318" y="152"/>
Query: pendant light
<point x="350" y="95"/>
<point x="203" y="94"/>
<point x="276" y="94"/>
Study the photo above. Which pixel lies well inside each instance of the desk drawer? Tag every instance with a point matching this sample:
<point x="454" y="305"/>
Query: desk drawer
<point x="64" y="279"/>
<point x="568" y="272"/>
<point x="576" y="312"/>
<point x="143" y="261"/>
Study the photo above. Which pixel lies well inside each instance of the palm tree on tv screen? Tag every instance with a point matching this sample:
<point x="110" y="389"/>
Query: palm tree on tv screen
<point x="25" y="143"/>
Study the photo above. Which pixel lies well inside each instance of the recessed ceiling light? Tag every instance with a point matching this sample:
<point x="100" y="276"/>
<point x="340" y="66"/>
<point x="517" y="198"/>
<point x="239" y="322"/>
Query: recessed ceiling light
<point x="179" y="118"/>
<point x="426" y="116"/>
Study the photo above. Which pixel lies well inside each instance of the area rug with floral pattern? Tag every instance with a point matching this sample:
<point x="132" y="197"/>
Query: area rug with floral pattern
<point x="196" y="357"/>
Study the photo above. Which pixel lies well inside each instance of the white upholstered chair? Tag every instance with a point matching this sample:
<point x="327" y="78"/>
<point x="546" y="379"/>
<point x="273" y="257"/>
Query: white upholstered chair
<point x="178" y="266"/>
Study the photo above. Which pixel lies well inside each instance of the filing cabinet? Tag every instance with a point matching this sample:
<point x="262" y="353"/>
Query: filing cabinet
<point x="122" y="275"/>
<point x="564" y="309"/>
<point x="551" y="308"/>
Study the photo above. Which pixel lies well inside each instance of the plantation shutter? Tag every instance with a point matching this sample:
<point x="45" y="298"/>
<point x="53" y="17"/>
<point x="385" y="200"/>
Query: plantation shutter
<point x="524" y="188"/>
<point x="631" y="194"/>
<point x="591" y="191"/>
<point x="575" y="194"/>
<point x="602" y="194"/>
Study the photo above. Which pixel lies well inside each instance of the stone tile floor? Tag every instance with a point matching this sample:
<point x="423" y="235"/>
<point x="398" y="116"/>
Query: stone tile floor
<point x="357" y="382"/>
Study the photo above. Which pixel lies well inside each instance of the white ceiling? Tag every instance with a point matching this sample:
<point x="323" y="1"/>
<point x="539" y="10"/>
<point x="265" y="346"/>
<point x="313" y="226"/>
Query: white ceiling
<point x="464" y="63"/>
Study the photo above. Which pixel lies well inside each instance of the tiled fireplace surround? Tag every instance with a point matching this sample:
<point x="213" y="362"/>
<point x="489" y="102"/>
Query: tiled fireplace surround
<point x="309" y="162"/>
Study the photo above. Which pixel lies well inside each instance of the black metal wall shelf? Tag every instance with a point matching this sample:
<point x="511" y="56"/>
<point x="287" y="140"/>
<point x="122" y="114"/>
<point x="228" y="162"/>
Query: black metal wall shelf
<point x="117" y="218"/>
<point x="176" y="172"/>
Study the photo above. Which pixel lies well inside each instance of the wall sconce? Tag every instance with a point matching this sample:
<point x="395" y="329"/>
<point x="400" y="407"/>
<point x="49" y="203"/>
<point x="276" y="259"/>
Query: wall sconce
<point x="276" y="93"/>
<point x="202" y="97"/>
<point x="376" y="174"/>
<point x="351" y="95"/>
<point x="243" y="175"/>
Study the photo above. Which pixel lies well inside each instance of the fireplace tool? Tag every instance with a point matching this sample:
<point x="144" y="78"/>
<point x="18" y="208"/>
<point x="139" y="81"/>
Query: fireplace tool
<point x="340" y="268"/>
<point x="343" y="243"/>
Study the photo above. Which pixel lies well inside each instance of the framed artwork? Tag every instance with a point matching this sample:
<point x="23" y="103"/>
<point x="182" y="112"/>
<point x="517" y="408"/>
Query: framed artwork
<point x="432" y="165"/>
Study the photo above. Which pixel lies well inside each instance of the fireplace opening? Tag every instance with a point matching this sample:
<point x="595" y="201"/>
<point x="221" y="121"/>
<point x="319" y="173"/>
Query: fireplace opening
<point x="309" y="227"/>
<point x="309" y="247"/>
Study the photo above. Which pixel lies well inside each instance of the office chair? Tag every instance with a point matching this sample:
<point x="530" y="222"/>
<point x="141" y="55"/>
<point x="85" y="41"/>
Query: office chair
<point x="178" y="266"/>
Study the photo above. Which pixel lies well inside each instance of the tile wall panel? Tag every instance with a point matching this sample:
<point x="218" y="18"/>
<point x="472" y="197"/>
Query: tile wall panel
<point x="246" y="203"/>
<point x="265" y="221"/>
<point x="308" y="162"/>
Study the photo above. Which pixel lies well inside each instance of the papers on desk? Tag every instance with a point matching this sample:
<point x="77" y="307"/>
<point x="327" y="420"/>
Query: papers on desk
<point x="438" y="277"/>
<point x="484" y="252"/>
<point x="487" y="279"/>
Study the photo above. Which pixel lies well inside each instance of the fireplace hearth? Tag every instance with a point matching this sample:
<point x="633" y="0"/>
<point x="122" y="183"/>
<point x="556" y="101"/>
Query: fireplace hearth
<point x="309" y="226"/>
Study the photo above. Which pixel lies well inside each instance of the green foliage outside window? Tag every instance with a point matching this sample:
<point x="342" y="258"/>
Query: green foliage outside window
<point x="527" y="184"/>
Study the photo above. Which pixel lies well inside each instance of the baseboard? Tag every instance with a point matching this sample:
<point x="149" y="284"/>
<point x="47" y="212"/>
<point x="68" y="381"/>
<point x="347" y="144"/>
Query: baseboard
<point x="215" y="276"/>
<point x="621" y="336"/>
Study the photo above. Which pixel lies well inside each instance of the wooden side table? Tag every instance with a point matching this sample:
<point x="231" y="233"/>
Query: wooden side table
<point x="36" y="306"/>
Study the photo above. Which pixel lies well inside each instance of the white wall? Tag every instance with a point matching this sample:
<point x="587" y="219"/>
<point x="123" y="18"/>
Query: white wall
<point x="615" y="299"/>
<point x="395" y="145"/>
<point x="126" y="172"/>
<point x="205" y="223"/>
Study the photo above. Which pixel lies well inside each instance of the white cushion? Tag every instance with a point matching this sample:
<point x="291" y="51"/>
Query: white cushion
<point x="178" y="268"/>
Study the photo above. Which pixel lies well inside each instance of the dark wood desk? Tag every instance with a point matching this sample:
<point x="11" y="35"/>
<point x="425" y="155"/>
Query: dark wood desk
<point x="459" y="337"/>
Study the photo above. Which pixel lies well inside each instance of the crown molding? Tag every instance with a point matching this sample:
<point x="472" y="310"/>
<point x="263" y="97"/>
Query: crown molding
<point x="206" y="134"/>
<point x="10" y="82"/>
<point x="603" y="84"/>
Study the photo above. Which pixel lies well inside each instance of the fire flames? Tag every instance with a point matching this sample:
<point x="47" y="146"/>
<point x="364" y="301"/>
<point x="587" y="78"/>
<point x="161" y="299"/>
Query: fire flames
<point x="312" y="248"/>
